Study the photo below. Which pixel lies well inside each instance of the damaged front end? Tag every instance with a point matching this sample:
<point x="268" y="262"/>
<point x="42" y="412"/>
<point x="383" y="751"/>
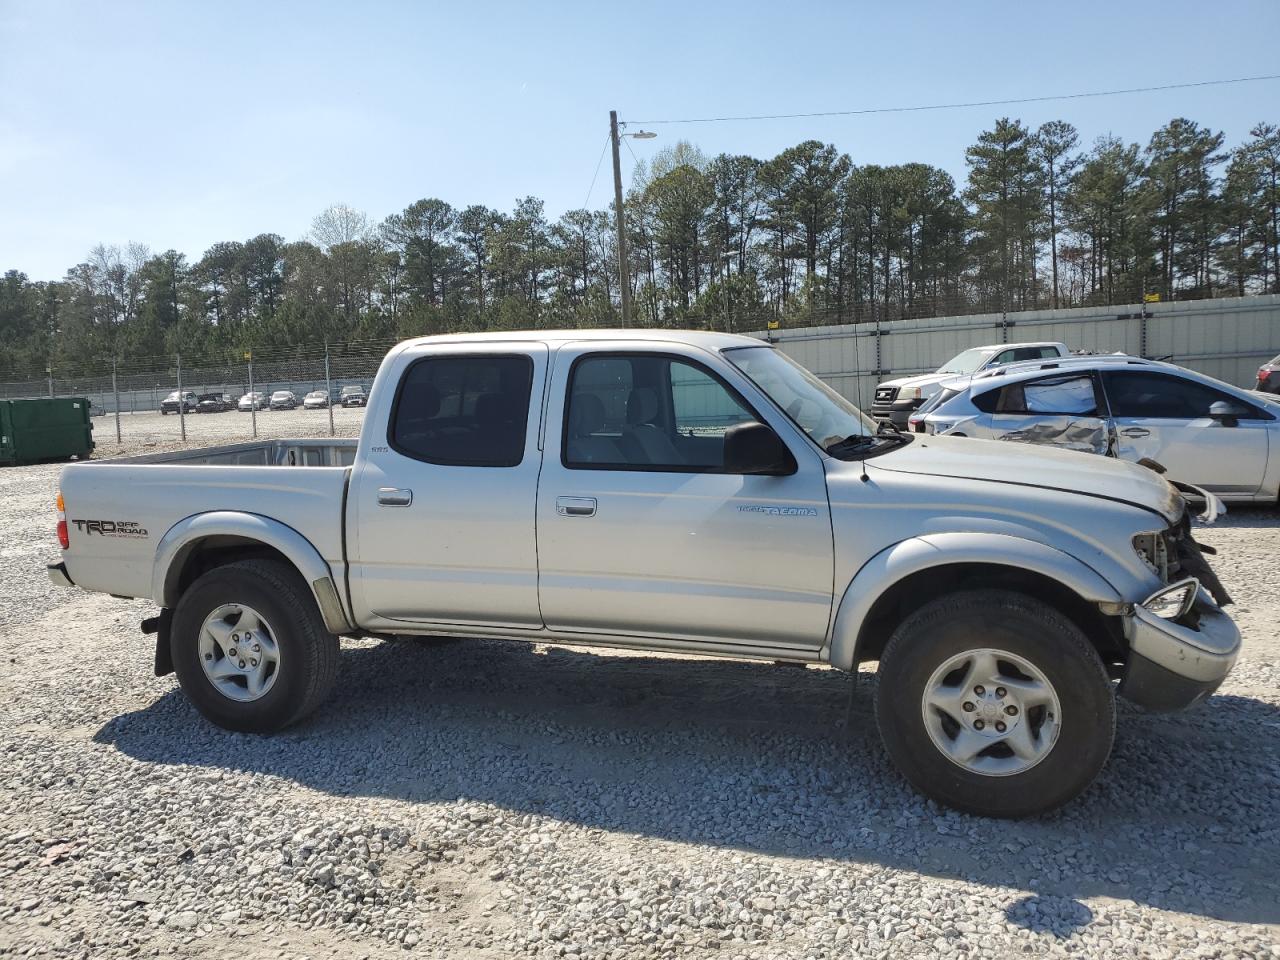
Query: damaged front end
<point x="1181" y="643"/>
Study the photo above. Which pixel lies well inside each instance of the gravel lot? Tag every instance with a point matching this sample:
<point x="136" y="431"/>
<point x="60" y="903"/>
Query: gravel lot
<point x="482" y="799"/>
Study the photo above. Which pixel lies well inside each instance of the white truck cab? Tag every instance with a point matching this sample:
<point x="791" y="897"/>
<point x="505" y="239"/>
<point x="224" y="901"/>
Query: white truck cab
<point x="895" y="400"/>
<point x="688" y="492"/>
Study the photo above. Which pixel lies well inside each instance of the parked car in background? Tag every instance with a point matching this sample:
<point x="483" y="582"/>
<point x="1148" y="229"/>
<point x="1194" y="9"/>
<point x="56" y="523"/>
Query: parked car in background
<point x="185" y="402"/>
<point x="283" y="400"/>
<point x="251" y="401"/>
<point x="1204" y="432"/>
<point x="315" y="400"/>
<point x="353" y="395"/>
<point x="543" y="486"/>
<point x="896" y="400"/>
<point x="1269" y="376"/>
<point x="214" y="403"/>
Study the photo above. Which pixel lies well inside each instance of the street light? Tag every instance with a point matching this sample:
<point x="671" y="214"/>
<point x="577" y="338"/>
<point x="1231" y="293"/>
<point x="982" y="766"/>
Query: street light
<point x="624" y="278"/>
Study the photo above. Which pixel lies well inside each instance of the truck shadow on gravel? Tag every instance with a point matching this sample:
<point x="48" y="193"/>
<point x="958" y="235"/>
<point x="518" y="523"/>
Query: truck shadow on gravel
<point x="761" y="758"/>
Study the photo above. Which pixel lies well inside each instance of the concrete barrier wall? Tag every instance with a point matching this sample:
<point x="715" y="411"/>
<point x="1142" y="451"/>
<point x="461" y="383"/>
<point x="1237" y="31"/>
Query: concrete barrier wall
<point x="1228" y="339"/>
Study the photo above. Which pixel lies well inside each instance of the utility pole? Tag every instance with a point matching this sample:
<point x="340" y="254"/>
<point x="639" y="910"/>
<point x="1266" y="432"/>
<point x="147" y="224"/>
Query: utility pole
<point x="253" y="400"/>
<point x="115" y="391"/>
<point x="182" y="402"/>
<point x="624" y="278"/>
<point x="328" y="385"/>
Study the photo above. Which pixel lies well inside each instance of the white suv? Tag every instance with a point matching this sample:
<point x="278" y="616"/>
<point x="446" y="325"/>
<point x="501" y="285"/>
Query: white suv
<point x="1204" y="432"/>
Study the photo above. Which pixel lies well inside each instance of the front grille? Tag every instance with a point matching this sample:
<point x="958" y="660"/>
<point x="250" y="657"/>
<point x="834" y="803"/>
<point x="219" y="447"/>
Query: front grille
<point x="886" y="394"/>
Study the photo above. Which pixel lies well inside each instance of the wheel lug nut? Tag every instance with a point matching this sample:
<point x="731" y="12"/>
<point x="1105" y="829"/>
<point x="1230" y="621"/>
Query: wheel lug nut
<point x="979" y="689"/>
<point x="1000" y="726"/>
<point x="1011" y="710"/>
<point x="978" y="724"/>
<point x="235" y="636"/>
<point x="253" y="662"/>
<point x="241" y="664"/>
<point x="1001" y="691"/>
<point x="231" y="652"/>
<point x="257" y="648"/>
<point x="208" y="656"/>
<point x="968" y="707"/>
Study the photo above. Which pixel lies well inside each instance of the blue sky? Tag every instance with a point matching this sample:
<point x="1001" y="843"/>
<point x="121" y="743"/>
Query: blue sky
<point x="178" y="124"/>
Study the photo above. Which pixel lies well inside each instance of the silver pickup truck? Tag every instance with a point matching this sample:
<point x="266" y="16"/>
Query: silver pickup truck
<point x="685" y="492"/>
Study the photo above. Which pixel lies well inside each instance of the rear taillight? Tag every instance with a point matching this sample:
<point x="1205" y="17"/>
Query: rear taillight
<point x="64" y="537"/>
<point x="1263" y="374"/>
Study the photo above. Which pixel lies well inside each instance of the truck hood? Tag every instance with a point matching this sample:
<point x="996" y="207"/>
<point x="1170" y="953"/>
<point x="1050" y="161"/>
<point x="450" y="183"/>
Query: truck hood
<point x="1015" y="465"/>
<point x="929" y="383"/>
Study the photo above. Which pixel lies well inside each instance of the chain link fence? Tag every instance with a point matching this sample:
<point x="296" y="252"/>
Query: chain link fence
<point x="127" y="396"/>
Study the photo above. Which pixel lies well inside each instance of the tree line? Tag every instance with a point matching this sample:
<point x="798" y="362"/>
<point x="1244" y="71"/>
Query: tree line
<point x="726" y="242"/>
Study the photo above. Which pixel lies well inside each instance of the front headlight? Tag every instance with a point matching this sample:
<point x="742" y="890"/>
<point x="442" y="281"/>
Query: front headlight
<point x="1174" y="601"/>
<point x="1154" y="551"/>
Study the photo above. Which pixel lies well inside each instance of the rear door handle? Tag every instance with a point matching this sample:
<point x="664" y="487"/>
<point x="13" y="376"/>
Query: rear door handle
<point x="394" y="497"/>
<point x="576" y="506"/>
<point x="1135" y="432"/>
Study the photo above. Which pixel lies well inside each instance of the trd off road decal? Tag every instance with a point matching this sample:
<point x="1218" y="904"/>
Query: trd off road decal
<point x="111" y="528"/>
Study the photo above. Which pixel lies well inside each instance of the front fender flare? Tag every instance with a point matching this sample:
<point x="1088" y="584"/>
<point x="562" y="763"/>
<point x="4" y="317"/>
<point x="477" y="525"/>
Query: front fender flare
<point x="183" y="537"/>
<point x="907" y="557"/>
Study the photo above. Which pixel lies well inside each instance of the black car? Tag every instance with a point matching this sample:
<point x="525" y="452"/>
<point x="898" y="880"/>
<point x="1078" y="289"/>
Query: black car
<point x="353" y="395"/>
<point x="1269" y="377"/>
<point x="179" y="403"/>
<point x="214" y="403"/>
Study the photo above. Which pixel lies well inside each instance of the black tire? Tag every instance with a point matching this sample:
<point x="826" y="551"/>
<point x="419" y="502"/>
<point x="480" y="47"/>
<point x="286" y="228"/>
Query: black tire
<point x="1025" y="627"/>
<point x="308" y="652"/>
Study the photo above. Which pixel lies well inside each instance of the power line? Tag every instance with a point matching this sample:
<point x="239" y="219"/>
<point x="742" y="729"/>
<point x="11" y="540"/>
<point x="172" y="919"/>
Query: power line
<point x="966" y="105"/>
<point x="587" y="204"/>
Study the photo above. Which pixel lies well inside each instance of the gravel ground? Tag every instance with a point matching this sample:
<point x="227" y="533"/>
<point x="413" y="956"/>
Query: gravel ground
<point x="481" y="799"/>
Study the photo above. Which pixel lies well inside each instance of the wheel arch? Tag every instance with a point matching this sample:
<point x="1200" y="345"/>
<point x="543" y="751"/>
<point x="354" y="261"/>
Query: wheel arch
<point x="201" y="542"/>
<point x="902" y="577"/>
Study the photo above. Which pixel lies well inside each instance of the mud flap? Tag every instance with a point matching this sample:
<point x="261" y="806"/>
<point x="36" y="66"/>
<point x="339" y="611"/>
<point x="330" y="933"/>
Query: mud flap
<point x="160" y="627"/>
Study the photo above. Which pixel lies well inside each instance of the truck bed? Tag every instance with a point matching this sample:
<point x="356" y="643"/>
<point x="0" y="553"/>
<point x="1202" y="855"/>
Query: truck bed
<point x="137" y="500"/>
<point x="257" y="453"/>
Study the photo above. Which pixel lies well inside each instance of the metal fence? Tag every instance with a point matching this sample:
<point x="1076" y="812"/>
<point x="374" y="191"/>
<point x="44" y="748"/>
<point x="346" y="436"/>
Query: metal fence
<point x="1226" y="338"/>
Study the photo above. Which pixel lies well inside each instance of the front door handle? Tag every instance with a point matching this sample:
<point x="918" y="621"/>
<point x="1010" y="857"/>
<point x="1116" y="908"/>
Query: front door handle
<point x="1135" y="432"/>
<point x="576" y="506"/>
<point x="394" y="497"/>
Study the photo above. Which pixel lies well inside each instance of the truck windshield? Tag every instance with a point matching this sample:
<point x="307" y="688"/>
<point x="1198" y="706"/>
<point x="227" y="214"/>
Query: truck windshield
<point x="818" y="410"/>
<point x="967" y="362"/>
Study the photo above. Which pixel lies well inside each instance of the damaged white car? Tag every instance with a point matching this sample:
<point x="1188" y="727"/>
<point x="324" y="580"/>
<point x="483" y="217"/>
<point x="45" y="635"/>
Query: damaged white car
<point x="1202" y="431"/>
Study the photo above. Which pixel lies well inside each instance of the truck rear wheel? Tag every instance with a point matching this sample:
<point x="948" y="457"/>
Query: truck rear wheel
<point x="249" y="647"/>
<point x="994" y="703"/>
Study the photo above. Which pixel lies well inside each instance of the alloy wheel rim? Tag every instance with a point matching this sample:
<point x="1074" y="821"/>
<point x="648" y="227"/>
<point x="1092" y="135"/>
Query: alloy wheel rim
<point x="991" y="712"/>
<point x="239" y="653"/>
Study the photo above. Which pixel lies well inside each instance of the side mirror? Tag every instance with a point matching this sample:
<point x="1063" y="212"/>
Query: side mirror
<point x="754" y="448"/>
<point x="1226" y="413"/>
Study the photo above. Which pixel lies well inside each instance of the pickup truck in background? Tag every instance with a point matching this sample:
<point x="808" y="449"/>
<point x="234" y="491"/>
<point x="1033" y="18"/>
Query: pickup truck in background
<point x="896" y="400"/>
<point x="690" y="492"/>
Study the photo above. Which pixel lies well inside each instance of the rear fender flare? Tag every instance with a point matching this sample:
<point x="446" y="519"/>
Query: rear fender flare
<point x="185" y="535"/>
<point x="908" y="557"/>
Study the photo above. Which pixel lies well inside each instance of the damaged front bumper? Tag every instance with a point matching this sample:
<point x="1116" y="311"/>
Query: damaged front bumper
<point x="1173" y="665"/>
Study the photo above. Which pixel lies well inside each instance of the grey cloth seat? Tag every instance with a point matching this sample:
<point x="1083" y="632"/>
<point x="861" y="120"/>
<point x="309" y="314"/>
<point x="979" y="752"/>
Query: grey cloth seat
<point x="650" y="439"/>
<point x="586" y="416"/>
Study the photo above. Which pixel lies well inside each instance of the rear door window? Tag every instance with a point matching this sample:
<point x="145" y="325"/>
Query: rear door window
<point x="1163" y="396"/>
<point x="463" y="410"/>
<point x="1066" y="395"/>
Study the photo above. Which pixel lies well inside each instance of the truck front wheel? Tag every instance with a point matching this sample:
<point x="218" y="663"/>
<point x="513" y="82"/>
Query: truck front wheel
<point x="249" y="647"/>
<point x="994" y="703"/>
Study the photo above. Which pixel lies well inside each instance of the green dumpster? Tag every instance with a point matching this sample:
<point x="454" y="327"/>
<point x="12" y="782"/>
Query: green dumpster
<point x="56" y="428"/>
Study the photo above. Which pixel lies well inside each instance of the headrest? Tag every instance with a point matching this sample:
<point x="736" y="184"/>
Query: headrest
<point x="642" y="405"/>
<point x="491" y="406"/>
<point x="421" y="399"/>
<point x="586" y="414"/>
